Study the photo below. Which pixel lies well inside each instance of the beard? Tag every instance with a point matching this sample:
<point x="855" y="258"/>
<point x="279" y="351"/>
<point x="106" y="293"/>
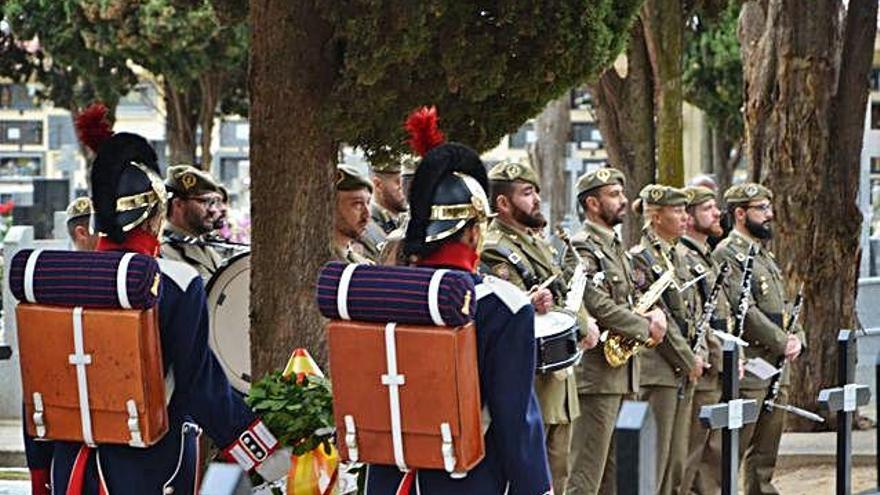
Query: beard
<point x="197" y="223"/>
<point x="534" y="220"/>
<point x="759" y="230"/>
<point x="712" y="230"/>
<point x="612" y="217"/>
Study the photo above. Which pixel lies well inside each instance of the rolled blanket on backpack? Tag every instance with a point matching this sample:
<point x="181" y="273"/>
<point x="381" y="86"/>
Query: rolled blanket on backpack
<point x="85" y="278"/>
<point x="418" y="296"/>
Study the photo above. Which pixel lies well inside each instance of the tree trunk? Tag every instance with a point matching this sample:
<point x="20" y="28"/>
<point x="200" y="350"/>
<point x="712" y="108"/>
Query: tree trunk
<point x="211" y="86"/>
<point x="663" y="21"/>
<point x="553" y="127"/>
<point x="806" y="90"/>
<point x="625" y="114"/>
<point x="292" y="167"/>
<point x="181" y="106"/>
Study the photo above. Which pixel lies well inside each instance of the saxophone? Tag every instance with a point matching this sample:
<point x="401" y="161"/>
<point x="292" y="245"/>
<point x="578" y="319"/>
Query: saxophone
<point x="618" y="348"/>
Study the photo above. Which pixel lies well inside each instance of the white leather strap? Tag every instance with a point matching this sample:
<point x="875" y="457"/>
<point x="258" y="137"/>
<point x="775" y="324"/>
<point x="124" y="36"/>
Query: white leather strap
<point x="394" y="381"/>
<point x="342" y="292"/>
<point x="434" y="296"/>
<point x="122" y="279"/>
<point x="80" y="359"/>
<point x="29" y="268"/>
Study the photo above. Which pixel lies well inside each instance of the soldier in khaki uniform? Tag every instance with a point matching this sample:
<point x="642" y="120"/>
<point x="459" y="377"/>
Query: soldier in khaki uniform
<point x="79" y="216"/>
<point x="609" y="299"/>
<point x="194" y="203"/>
<point x="512" y="252"/>
<point x="750" y="209"/>
<point x="352" y="214"/>
<point x="668" y="369"/>
<point x="702" y="469"/>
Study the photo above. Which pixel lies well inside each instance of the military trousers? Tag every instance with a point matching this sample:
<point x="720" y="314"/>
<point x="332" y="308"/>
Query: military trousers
<point x="671" y="407"/>
<point x="558" y="440"/>
<point x="702" y="472"/>
<point x="592" y="450"/>
<point x="759" y="443"/>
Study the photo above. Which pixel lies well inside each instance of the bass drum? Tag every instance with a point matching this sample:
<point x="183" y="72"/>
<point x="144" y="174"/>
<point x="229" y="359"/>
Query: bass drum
<point x="229" y="299"/>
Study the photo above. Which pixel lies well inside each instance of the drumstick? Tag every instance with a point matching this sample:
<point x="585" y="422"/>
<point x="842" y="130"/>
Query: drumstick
<point x="544" y="284"/>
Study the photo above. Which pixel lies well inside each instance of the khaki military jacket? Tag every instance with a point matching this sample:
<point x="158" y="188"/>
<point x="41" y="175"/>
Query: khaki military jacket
<point x="668" y="362"/>
<point x="383" y="218"/>
<point x="609" y="299"/>
<point x="699" y="261"/>
<point x="349" y="254"/>
<point x="179" y="245"/>
<point x="373" y="241"/>
<point x="767" y="314"/>
<point x="507" y="251"/>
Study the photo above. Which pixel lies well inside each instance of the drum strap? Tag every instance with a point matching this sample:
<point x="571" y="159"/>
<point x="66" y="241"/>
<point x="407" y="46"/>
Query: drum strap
<point x="516" y="260"/>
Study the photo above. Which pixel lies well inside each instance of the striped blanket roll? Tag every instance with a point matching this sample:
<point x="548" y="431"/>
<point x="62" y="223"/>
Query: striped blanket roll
<point x="85" y="278"/>
<point x="417" y="296"/>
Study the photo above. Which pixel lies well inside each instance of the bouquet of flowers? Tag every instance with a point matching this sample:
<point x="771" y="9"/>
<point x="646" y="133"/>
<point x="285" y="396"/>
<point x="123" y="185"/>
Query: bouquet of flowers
<point x="297" y="405"/>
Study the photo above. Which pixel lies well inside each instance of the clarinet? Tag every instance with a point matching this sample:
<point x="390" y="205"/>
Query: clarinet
<point x="709" y="307"/>
<point x="703" y="326"/>
<point x="776" y="380"/>
<point x="745" y="291"/>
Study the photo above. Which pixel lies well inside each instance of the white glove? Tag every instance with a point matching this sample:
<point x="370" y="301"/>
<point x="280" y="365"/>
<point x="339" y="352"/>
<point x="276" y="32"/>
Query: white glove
<point x="276" y="466"/>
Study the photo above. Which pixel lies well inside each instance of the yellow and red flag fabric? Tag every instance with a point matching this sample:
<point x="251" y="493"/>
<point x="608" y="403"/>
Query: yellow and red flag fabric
<point x="315" y="472"/>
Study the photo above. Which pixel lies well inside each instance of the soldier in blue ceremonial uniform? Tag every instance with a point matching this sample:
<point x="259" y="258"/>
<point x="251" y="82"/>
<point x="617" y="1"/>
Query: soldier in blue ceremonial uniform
<point x="129" y="200"/>
<point x="449" y="210"/>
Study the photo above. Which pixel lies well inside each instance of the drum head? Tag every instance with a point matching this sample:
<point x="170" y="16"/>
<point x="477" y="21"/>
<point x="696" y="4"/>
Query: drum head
<point x="552" y="323"/>
<point x="229" y="322"/>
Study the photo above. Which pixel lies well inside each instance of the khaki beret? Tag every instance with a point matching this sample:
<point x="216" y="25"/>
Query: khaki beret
<point x="510" y="171"/>
<point x="746" y="192"/>
<point x="349" y="179"/>
<point x="598" y="178"/>
<point x="660" y="195"/>
<point x="186" y="180"/>
<point x="79" y="207"/>
<point x="698" y="194"/>
<point x="409" y="164"/>
<point x="387" y="165"/>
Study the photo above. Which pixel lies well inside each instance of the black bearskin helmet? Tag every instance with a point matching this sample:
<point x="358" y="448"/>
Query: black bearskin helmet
<point x="125" y="180"/>
<point x="448" y="189"/>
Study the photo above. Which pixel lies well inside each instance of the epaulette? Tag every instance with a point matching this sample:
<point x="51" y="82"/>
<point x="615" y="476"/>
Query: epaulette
<point x="509" y="294"/>
<point x="178" y="271"/>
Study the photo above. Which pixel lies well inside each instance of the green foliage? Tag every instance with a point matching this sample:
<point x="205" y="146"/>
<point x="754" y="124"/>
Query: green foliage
<point x="712" y="78"/>
<point x="300" y="415"/>
<point x="71" y="73"/>
<point x="487" y="66"/>
<point x="95" y="38"/>
<point x="178" y="43"/>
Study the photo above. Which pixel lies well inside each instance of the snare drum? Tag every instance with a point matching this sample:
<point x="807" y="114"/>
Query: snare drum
<point x="228" y="300"/>
<point x="556" y="341"/>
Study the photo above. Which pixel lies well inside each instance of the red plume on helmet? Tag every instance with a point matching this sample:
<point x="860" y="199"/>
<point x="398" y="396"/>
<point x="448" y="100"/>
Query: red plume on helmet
<point x="424" y="134"/>
<point x="92" y="127"/>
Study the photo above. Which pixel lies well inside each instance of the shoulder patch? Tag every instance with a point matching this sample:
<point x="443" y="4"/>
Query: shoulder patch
<point x="178" y="271"/>
<point x="509" y="294"/>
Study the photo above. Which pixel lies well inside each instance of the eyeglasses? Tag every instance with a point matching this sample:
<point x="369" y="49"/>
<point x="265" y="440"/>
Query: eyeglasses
<point x="764" y="208"/>
<point x="210" y="202"/>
